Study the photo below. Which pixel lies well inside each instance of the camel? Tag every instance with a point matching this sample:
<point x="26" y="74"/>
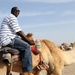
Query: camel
<point x="17" y="66"/>
<point x="61" y="58"/>
<point x="53" y="56"/>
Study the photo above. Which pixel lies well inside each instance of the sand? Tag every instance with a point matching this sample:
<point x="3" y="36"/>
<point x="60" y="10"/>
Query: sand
<point x="69" y="70"/>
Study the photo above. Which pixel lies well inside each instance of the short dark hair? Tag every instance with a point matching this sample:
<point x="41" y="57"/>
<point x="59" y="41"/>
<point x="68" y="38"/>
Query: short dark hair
<point x="13" y="9"/>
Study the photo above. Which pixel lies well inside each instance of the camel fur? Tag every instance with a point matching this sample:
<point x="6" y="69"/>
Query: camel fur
<point x="53" y="56"/>
<point x="17" y="66"/>
<point x="61" y="58"/>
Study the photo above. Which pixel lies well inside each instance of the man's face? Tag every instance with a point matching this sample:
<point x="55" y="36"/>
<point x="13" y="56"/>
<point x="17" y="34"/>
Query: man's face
<point x="16" y="12"/>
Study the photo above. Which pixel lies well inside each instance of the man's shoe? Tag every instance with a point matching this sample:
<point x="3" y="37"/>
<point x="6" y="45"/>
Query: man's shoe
<point x="30" y="73"/>
<point x="27" y="73"/>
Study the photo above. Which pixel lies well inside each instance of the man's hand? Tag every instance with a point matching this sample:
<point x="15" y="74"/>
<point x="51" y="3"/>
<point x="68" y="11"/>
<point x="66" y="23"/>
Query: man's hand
<point x="23" y="36"/>
<point x="31" y="42"/>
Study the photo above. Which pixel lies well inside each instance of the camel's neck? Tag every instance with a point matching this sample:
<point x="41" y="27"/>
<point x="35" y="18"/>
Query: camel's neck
<point x="69" y="56"/>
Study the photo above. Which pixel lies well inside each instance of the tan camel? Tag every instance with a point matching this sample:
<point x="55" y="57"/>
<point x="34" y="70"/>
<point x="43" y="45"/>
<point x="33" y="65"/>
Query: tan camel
<point x="61" y="58"/>
<point x="53" y="56"/>
<point x="17" y="66"/>
<point x="35" y="58"/>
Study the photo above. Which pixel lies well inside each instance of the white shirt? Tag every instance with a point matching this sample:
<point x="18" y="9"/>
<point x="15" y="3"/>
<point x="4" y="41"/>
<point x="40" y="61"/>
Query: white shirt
<point x="8" y="29"/>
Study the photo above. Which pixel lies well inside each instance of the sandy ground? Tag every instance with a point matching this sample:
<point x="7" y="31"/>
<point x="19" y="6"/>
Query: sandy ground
<point x="68" y="70"/>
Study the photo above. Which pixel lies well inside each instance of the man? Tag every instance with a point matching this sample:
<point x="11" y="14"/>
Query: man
<point x="11" y="35"/>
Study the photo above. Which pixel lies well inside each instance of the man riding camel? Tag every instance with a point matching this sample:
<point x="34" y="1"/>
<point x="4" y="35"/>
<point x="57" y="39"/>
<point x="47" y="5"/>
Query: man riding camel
<point x="11" y="34"/>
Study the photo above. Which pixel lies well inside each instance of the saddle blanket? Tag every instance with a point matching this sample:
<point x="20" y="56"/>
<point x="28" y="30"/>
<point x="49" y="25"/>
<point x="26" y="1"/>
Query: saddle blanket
<point x="8" y="52"/>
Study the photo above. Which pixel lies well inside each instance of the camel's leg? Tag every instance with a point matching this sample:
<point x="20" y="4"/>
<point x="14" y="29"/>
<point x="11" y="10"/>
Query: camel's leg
<point x="57" y="70"/>
<point x="9" y="69"/>
<point x="48" y="71"/>
<point x="51" y="65"/>
<point x="20" y="74"/>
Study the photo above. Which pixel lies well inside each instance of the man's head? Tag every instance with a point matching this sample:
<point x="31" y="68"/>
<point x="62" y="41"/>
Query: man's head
<point x="15" y="11"/>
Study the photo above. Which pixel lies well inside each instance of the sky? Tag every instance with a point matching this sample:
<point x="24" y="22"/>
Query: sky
<point x="46" y="19"/>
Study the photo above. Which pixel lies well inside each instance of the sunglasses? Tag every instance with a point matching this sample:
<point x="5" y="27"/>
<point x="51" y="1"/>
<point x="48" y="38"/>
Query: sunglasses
<point x="18" y="10"/>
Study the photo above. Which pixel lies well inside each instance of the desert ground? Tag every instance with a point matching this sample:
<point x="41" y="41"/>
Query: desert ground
<point x="68" y="70"/>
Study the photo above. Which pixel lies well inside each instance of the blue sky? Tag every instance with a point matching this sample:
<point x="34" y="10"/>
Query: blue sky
<point x="46" y="19"/>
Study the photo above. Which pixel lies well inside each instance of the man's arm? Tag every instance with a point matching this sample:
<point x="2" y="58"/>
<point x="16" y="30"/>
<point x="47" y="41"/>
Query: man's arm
<point x="23" y="36"/>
